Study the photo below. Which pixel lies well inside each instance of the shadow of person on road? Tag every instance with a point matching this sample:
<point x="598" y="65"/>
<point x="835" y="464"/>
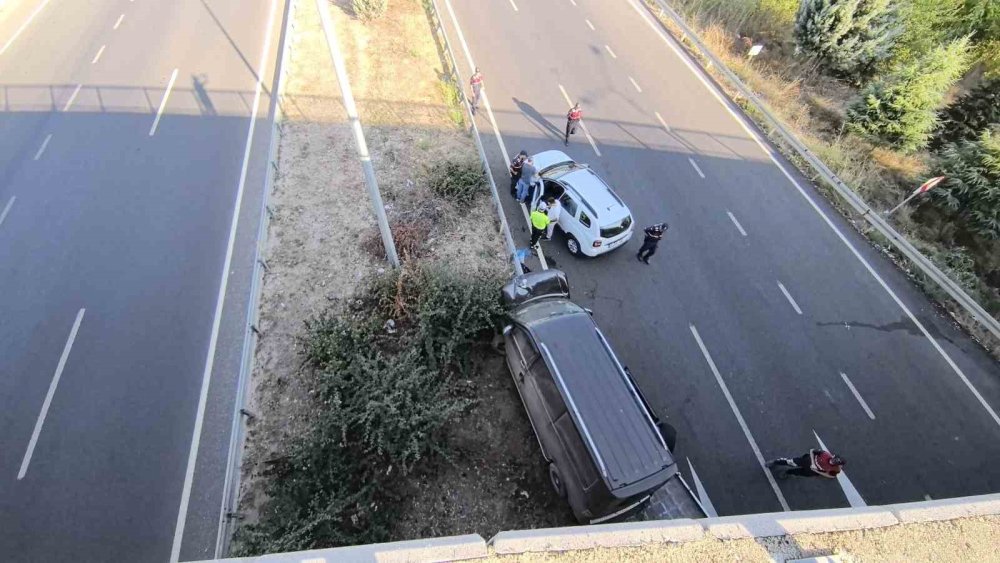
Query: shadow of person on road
<point x="538" y="120"/>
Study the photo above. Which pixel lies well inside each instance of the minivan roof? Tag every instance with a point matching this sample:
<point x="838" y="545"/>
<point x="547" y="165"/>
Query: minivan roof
<point x="598" y="195"/>
<point x="623" y="441"/>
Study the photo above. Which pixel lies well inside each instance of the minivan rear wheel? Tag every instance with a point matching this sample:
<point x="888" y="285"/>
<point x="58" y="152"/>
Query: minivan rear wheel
<point x="557" y="480"/>
<point x="572" y="245"/>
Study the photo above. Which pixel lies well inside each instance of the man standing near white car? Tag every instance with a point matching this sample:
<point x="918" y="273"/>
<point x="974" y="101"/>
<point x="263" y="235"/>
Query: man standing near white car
<point x="555" y="209"/>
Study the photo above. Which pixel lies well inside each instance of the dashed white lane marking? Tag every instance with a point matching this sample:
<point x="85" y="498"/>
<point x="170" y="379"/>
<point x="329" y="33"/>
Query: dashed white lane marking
<point x="706" y="502"/>
<point x="118" y="22"/>
<point x="739" y="419"/>
<point x="163" y="103"/>
<point x="572" y="2"/>
<point x="857" y="395"/>
<point x="696" y="168"/>
<point x="590" y="25"/>
<point x="6" y="209"/>
<point x="635" y="84"/>
<point x="48" y="396"/>
<point x="737" y="223"/>
<point x="41" y="149"/>
<point x="853" y="496"/>
<point x="760" y="142"/>
<point x="662" y="122"/>
<point x="610" y="52"/>
<point x="72" y="97"/>
<point x="513" y="5"/>
<point x="582" y="124"/>
<point x="97" y="57"/>
<point x="23" y="27"/>
<point x="788" y="296"/>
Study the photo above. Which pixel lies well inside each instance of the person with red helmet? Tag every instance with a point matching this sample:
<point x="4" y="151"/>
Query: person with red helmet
<point x="573" y="118"/>
<point x="815" y="463"/>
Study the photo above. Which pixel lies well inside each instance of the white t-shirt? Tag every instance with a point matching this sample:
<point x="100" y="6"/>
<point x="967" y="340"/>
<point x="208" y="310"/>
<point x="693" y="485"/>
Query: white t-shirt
<point x="554" y="211"/>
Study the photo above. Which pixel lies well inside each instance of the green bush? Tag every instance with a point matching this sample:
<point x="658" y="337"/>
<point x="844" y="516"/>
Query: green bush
<point x="927" y="24"/>
<point x="368" y="10"/>
<point x="973" y="185"/>
<point x="900" y="110"/>
<point x="459" y="181"/>
<point x="970" y="115"/>
<point x="385" y="399"/>
<point x="848" y="37"/>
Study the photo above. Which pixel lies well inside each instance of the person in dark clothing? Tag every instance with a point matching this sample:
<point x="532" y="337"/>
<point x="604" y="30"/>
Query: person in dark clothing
<point x="814" y="463"/>
<point x="515" y="171"/>
<point x="653" y="235"/>
<point x="573" y="118"/>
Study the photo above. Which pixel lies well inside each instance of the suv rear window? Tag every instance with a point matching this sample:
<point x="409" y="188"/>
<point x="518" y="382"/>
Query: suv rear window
<point x="613" y="231"/>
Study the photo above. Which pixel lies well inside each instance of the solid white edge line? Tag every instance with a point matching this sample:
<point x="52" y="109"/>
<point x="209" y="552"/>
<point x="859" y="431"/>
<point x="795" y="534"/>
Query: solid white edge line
<point x="582" y="124"/>
<point x="706" y="502"/>
<point x="696" y="168"/>
<point x="854" y="498"/>
<point x="23" y="27"/>
<point x="206" y="377"/>
<point x="737" y="223"/>
<point x="739" y="419"/>
<point x="636" y="84"/>
<point x="610" y="52"/>
<point x="163" y="103"/>
<point x="857" y="395"/>
<point x="590" y="25"/>
<point x="97" y="57"/>
<point x="788" y="296"/>
<point x="493" y="122"/>
<point x="816" y="208"/>
<point x="72" y="97"/>
<point x="513" y="5"/>
<point x="6" y="209"/>
<point x="48" y="396"/>
<point x="662" y="122"/>
<point x="41" y="149"/>
<point x="118" y="22"/>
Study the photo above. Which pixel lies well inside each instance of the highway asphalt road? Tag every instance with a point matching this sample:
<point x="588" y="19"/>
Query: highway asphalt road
<point x="125" y="144"/>
<point x="765" y="322"/>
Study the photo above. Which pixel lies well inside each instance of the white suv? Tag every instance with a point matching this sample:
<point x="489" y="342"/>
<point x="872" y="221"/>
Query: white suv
<point x="594" y="219"/>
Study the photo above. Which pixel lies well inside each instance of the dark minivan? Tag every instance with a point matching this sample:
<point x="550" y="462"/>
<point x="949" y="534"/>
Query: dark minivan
<point x="605" y="450"/>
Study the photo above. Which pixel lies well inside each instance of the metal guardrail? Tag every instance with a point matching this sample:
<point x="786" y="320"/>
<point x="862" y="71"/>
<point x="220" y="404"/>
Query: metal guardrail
<point x="873" y="217"/>
<point x="231" y="486"/>
<point x="474" y="131"/>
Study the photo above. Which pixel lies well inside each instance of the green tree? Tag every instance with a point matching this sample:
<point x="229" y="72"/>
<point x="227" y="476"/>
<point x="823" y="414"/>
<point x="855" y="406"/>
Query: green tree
<point x="983" y="20"/>
<point x="900" y="110"/>
<point x="969" y="115"/>
<point x="973" y="185"/>
<point x="848" y="37"/>
<point x="927" y="24"/>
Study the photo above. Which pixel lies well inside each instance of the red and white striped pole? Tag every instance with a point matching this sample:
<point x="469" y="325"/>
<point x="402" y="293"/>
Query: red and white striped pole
<point x="924" y="188"/>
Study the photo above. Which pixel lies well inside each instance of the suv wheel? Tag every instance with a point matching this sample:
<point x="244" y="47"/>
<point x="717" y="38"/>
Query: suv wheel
<point x="557" y="480"/>
<point x="572" y="245"/>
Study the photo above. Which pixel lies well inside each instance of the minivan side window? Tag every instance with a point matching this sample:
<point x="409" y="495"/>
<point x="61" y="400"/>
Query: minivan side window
<point x="569" y="204"/>
<point x="584" y="219"/>
<point x="555" y="406"/>
<point x="525" y="347"/>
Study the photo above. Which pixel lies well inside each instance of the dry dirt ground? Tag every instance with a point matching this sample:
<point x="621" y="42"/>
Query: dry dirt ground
<point x="316" y="253"/>
<point x="967" y="539"/>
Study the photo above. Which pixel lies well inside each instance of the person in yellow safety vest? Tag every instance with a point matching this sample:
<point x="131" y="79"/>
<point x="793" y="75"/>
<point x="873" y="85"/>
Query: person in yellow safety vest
<point x="539" y="222"/>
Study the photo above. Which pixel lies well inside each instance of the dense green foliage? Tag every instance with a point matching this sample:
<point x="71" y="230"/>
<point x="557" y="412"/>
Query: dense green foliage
<point x="970" y="115"/>
<point x="927" y="24"/>
<point x="973" y="185"/>
<point x="982" y="19"/>
<point x="368" y="10"/>
<point x="459" y="181"/>
<point x="385" y="398"/>
<point x="848" y="37"/>
<point x="900" y="110"/>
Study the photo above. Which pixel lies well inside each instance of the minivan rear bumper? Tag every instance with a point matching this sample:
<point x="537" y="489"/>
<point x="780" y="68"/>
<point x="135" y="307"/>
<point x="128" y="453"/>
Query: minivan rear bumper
<point x="607" y="246"/>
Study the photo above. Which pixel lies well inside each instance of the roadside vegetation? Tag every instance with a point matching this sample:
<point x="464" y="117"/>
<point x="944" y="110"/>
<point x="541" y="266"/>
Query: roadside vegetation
<point x="888" y="94"/>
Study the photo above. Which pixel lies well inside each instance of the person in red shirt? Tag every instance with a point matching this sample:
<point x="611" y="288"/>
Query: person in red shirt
<point x="815" y="463"/>
<point x="476" y="83"/>
<point x="572" y="119"/>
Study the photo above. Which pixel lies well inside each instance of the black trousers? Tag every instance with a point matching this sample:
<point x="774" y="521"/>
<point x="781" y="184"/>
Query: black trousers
<point x="513" y="184"/>
<point x="649" y="248"/>
<point x="536" y="234"/>
<point x="570" y="128"/>
<point x="799" y="466"/>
